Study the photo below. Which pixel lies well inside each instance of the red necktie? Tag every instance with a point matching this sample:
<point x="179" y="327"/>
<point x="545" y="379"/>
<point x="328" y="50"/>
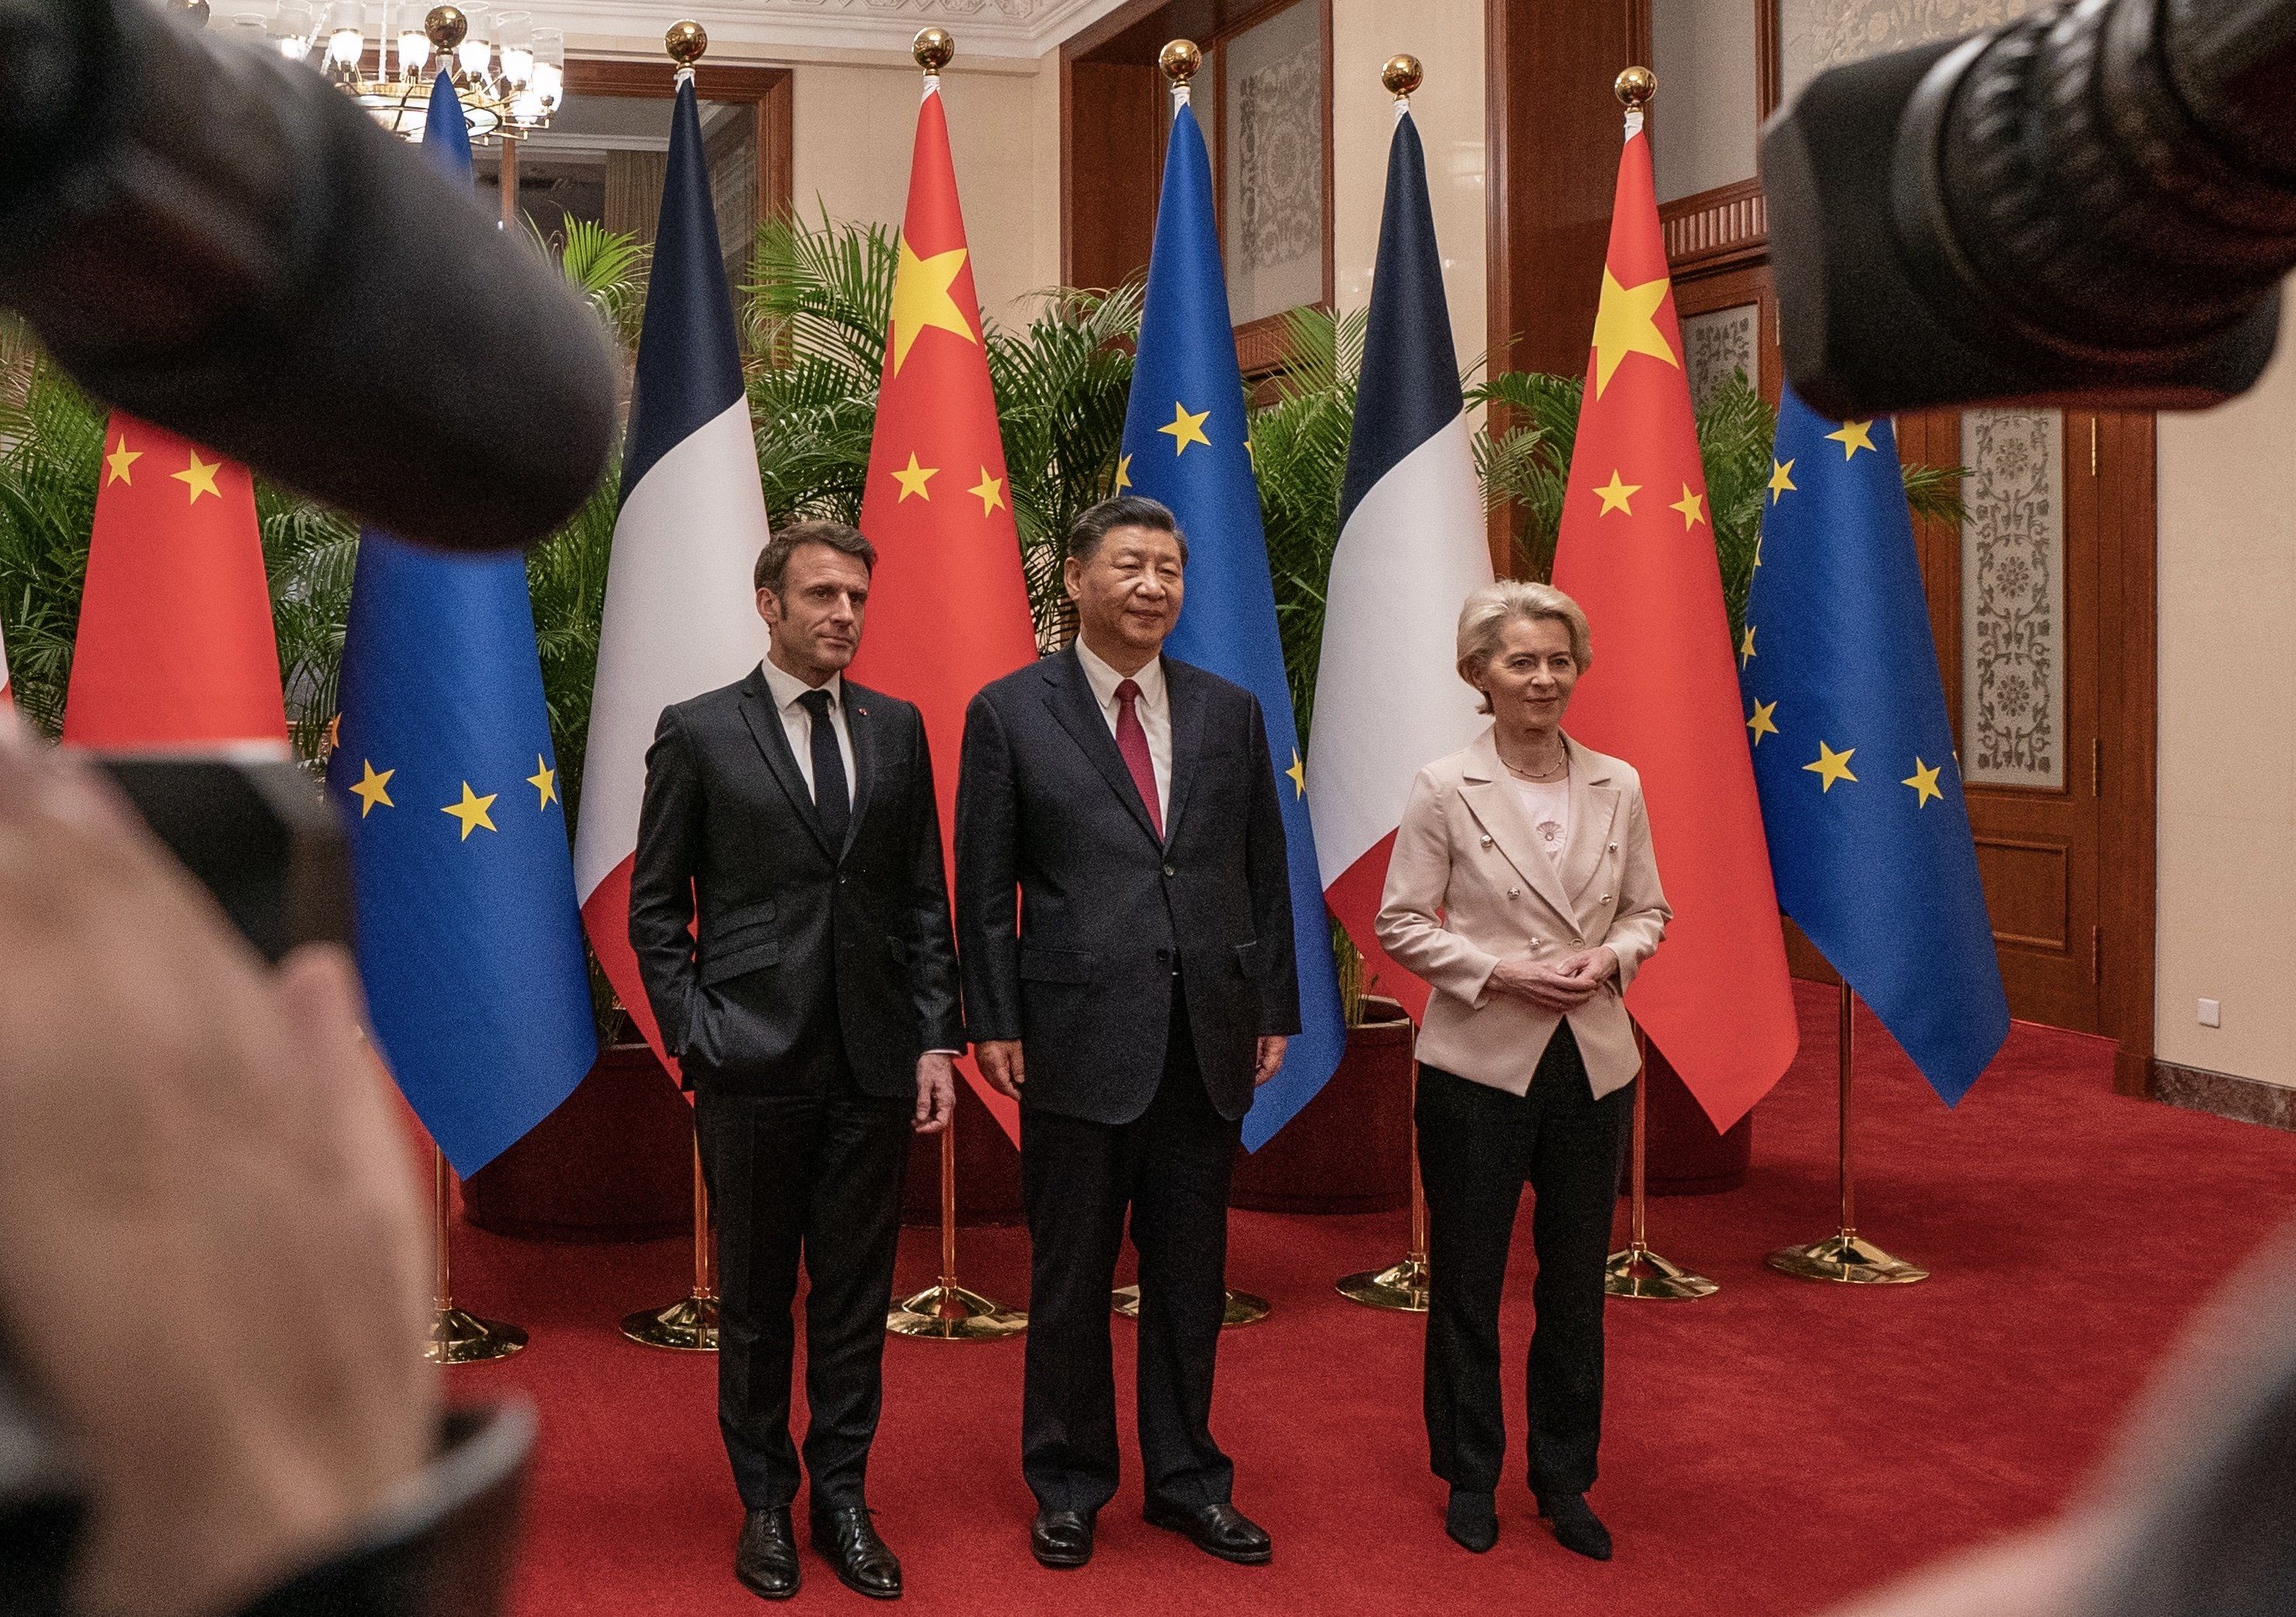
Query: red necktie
<point x="1132" y="741"/>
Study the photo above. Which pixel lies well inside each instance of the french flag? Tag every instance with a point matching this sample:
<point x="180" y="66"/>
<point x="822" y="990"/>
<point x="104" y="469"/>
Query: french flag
<point x="1411" y="549"/>
<point x="680" y="617"/>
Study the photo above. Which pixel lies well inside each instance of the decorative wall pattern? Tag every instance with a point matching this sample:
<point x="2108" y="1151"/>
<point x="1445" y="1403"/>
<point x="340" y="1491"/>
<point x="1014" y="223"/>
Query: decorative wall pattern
<point x="2012" y="552"/>
<point x="1279" y="117"/>
<point x="1719" y="344"/>
<point x="1815" y="34"/>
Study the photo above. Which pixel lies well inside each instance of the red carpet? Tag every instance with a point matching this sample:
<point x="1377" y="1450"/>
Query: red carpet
<point x="1773" y="1447"/>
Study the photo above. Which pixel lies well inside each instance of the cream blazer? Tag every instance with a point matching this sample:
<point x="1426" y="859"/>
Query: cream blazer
<point x="1469" y="886"/>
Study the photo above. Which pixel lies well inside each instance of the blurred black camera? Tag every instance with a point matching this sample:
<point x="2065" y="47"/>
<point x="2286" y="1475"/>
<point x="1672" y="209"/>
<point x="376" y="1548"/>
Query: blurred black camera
<point x="2095" y="204"/>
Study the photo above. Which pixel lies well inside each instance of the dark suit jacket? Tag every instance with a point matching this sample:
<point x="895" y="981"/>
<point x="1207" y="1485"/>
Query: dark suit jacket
<point x="1045" y="804"/>
<point x="791" y="930"/>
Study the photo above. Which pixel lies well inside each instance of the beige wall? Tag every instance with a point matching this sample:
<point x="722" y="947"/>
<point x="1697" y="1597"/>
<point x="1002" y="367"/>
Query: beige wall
<point x="1446" y="35"/>
<point x="2227" y="772"/>
<point x="856" y="124"/>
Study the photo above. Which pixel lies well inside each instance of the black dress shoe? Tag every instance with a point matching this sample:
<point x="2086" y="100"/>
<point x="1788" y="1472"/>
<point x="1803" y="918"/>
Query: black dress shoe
<point x="1061" y="1538"/>
<point x="1218" y="1530"/>
<point x="765" y="1557"/>
<point x="1473" y="1519"/>
<point x="848" y="1539"/>
<point x="1576" y="1527"/>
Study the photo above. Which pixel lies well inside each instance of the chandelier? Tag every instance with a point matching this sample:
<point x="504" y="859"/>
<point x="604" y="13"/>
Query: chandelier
<point x="508" y="75"/>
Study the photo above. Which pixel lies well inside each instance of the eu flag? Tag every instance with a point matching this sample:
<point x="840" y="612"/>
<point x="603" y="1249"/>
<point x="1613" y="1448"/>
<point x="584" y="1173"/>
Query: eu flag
<point x="1853" y="752"/>
<point x="466" y="932"/>
<point x="1184" y="433"/>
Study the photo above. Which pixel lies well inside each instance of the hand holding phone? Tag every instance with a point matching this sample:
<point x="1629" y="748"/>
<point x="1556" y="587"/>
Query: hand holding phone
<point x="213" y="1261"/>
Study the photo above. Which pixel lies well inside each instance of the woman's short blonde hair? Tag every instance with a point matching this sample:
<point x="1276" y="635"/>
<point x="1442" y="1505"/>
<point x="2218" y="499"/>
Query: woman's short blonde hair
<point x="1485" y="617"/>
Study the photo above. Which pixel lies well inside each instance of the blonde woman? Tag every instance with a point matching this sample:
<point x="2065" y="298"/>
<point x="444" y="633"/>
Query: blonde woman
<point x="1524" y="891"/>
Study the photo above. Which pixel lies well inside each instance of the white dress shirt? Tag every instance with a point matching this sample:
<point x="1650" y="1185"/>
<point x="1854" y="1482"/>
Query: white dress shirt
<point x="1153" y="706"/>
<point x="797" y="724"/>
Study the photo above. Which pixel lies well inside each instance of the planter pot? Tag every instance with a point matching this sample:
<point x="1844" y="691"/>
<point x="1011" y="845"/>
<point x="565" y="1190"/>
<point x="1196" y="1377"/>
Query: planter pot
<point x="1684" y="1155"/>
<point x="613" y="1163"/>
<point x="1350" y="1148"/>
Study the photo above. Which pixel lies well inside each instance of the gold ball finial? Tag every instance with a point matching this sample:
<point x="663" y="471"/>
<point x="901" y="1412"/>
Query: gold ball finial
<point x="685" y="42"/>
<point x="1401" y="75"/>
<point x="934" y="48"/>
<point x="1180" y="59"/>
<point x="445" y="26"/>
<point x="1636" y="86"/>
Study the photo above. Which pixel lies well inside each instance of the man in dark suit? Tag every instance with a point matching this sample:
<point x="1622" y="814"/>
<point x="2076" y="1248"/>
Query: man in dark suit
<point x="814" y="1011"/>
<point x="1147" y="988"/>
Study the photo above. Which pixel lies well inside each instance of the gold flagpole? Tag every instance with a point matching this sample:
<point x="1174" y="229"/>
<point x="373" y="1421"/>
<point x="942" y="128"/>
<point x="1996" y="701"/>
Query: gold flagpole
<point x="947" y="1311"/>
<point x="1845" y="1256"/>
<point x="690" y="1324"/>
<point x="1638" y="1272"/>
<point x="458" y="1337"/>
<point x="1401" y="1287"/>
<point x="1180" y="59"/>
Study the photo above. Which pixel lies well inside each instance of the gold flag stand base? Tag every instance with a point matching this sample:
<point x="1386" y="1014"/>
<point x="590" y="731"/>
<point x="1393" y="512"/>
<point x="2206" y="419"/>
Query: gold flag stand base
<point x="458" y="1337"/>
<point x="687" y="1326"/>
<point x="950" y="1313"/>
<point x="1844" y="1257"/>
<point x="1640" y="1272"/>
<point x="1242" y="1308"/>
<point x="1847" y="1259"/>
<point x="1401" y="1287"/>
<point x="690" y="1324"/>
<point x="462" y="1338"/>
<point x="945" y="1311"/>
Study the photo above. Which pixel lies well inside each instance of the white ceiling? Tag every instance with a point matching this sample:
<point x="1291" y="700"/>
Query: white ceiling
<point x="986" y="27"/>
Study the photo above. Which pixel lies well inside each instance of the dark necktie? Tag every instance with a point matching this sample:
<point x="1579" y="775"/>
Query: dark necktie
<point x="833" y="799"/>
<point x="1132" y="741"/>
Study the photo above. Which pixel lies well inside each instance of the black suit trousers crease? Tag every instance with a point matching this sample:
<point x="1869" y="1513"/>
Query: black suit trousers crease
<point x="818" y="1173"/>
<point x="1171" y="1167"/>
<point x="1478" y="1145"/>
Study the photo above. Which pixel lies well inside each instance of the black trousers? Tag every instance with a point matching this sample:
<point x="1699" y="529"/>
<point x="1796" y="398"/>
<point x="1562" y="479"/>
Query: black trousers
<point x="1477" y="1148"/>
<point x="817" y="1175"/>
<point x="1170" y="1166"/>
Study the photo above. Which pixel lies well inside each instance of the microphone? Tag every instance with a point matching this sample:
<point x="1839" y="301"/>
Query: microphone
<point x="220" y="241"/>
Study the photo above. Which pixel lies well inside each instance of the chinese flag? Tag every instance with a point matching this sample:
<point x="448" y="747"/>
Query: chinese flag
<point x="1636" y="551"/>
<point x="948" y="606"/>
<point x="175" y="646"/>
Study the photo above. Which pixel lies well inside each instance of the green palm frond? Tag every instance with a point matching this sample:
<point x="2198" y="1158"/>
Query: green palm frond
<point x="609" y="267"/>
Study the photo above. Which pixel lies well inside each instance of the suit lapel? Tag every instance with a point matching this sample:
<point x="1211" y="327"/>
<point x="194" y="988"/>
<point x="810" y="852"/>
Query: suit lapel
<point x="1069" y="696"/>
<point x="1184" y="695"/>
<point x="862" y="728"/>
<point x="1491" y="797"/>
<point x="765" y="722"/>
<point x="1593" y="806"/>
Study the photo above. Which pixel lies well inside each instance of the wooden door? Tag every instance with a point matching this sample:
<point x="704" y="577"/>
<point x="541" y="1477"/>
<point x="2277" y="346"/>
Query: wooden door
<point x="2014" y="598"/>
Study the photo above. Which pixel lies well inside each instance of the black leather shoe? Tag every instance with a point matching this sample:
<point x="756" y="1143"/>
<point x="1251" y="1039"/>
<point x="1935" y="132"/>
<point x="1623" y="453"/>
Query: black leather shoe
<point x="1473" y="1519"/>
<point x="848" y="1539"/>
<point x="1218" y="1530"/>
<point x="765" y="1557"/>
<point x="1576" y="1527"/>
<point x="1061" y="1538"/>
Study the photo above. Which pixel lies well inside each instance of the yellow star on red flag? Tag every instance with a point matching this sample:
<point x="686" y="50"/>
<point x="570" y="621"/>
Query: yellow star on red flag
<point x="1626" y="323"/>
<point x="199" y="477"/>
<point x="914" y="477"/>
<point x="119" y="460"/>
<point x="921" y="299"/>
<point x="990" y="491"/>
